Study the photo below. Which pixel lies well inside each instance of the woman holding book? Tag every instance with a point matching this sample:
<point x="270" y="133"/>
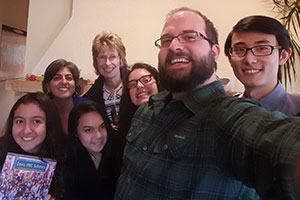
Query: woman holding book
<point x="90" y="168"/>
<point x="33" y="128"/>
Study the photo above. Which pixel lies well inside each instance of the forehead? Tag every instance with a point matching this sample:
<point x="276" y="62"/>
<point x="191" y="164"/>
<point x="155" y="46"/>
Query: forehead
<point x="108" y="51"/>
<point x="252" y="38"/>
<point x="183" y="20"/>
<point x="137" y="73"/>
<point x="29" y="109"/>
<point x="90" y="118"/>
<point x="64" y="70"/>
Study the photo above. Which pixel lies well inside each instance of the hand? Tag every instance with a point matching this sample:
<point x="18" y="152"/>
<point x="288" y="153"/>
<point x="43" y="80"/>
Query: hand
<point x="48" y="197"/>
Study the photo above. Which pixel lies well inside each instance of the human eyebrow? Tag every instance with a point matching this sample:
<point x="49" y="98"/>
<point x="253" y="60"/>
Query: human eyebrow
<point x="188" y="31"/>
<point x="239" y="44"/>
<point x="166" y="36"/>
<point x="102" y="125"/>
<point x="262" y="42"/>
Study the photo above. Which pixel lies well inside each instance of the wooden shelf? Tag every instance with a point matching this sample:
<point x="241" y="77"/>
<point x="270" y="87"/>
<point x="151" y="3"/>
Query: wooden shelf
<point x="22" y="85"/>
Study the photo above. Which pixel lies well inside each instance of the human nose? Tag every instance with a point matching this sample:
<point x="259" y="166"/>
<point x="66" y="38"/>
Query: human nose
<point x="64" y="80"/>
<point x="99" y="133"/>
<point x="249" y="57"/>
<point x="175" y="44"/>
<point x="139" y="84"/>
<point x="107" y="61"/>
<point x="27" y="128"/>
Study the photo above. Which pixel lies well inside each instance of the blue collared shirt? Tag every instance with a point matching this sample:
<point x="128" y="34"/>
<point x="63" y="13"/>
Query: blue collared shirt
<point x="280" y="100"/>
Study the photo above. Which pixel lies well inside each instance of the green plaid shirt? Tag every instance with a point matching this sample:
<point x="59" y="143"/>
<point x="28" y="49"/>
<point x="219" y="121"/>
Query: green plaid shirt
<point x="208" y="146"/>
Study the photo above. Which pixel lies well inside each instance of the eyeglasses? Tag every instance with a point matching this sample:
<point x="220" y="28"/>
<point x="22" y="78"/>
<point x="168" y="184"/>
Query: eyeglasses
<point x="191" y="36"/>
<point x="260" y="50"/>
<point x="103" y="59"/>
<point x="144" y="80"/>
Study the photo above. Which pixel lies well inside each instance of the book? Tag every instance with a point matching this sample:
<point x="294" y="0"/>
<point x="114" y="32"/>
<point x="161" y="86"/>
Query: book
<point x="25" y="177"/>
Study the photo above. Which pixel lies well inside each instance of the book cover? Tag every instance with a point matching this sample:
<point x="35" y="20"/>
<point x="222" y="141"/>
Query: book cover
<point x="25" y="177"/>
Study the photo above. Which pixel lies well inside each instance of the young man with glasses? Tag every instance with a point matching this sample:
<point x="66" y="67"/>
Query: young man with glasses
<point x="256" y="48"/>
<point x="192" y="141"/>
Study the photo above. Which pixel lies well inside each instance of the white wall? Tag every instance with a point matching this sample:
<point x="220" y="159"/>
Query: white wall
<point x="138" y="22"/>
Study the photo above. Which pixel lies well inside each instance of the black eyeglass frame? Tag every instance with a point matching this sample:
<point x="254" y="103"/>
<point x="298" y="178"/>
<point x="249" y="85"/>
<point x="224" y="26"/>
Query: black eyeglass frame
<point x="251" y="49"/>
<point x="140" y="80"/>
<point x="199" y="35"/>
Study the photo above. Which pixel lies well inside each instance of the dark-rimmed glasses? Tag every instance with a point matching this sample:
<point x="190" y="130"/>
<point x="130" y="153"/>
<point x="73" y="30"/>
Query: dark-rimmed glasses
<point x="191" y="36"/>
<point x="144" y="80"/>
<point x="260" y="50"/>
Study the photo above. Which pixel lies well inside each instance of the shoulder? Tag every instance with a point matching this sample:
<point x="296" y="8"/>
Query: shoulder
<point x="293" y="102"/>
<point x="94" y="92"/>
<point x="77" y="100"/>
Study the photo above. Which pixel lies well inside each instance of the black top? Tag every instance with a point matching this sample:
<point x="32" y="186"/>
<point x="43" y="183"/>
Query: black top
<point x="127" y="110"/>
<point x="83" y="180"/>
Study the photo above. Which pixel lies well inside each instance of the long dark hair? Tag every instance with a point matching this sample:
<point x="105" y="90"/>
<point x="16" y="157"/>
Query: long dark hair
<point x="126" y="113"/>
<point x="76" y="113"/>
<point x="54" y="135"/>
<point x="78" y="110"/>
<point x="52" y="70"/>
<point x="52" y="146"/>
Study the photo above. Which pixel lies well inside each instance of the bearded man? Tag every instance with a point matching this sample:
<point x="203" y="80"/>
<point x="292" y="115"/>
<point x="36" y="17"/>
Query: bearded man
<point x="192" y="141"/>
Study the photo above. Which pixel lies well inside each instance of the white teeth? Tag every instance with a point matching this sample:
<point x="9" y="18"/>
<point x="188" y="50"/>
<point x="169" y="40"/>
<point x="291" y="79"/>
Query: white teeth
<point x="108" y="69"/>
<point x="179" y="60"/>
<point x="63" y="89"/>
<point x="251" y="71"/>
<point x="27" y="138"/>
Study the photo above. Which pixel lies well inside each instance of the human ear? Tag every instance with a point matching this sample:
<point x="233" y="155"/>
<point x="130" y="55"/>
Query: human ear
<point x="216" y="51"/>
<point x="284" y="56"/>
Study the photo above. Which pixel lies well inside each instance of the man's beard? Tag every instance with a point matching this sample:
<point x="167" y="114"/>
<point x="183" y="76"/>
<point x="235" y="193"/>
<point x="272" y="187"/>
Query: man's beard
<point x="201" y="71"/>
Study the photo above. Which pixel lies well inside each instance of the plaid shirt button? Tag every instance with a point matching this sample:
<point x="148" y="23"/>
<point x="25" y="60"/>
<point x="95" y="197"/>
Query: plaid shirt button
<point x="145" y="148"/>
<point x="165" y="147"/>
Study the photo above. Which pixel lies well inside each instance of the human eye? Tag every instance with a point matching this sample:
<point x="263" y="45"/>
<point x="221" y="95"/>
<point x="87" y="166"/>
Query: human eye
<point x="18" y="121"/>
<point x="69" y="77"/>
<point x="88" y="130"/>
<point x="165" y="42"/>
<point x="146" y="79"/>
<point x="238" y="51"/>
<point x="102" y="126"/>
<point x="113" y="57"/>
<point x="57" y="77"/>
<point x="189" y="37"/>
<point x="262" y="48"/>
<point x="37" y="120"/>
<point x="102" y="57"/>
<point x="131" y="84"/>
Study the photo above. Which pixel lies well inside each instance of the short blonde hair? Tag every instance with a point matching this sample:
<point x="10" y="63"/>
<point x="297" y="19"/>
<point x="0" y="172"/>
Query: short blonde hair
<point x="104" y="41"/>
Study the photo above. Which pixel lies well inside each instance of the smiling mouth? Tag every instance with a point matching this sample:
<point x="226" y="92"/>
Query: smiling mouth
<point x="27" y="138"/>
<point x="251" y="71"/>
<point x="108" y="69"/>
<point x="143" y="94"/>
<point x="179" y="60"/>
<point x="63" y="89"/>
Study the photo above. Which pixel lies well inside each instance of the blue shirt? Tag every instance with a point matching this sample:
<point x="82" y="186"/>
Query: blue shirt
<point x="280" y="100"/>
<point x="208" y="146"/>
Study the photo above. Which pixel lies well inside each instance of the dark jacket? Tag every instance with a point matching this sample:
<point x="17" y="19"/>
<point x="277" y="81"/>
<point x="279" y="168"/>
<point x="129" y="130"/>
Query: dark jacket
<point x="82" y="180"/>
<point x="126" y="112"/>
